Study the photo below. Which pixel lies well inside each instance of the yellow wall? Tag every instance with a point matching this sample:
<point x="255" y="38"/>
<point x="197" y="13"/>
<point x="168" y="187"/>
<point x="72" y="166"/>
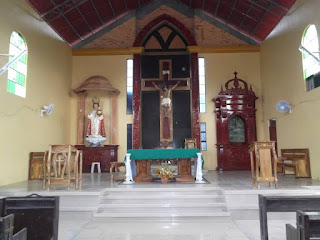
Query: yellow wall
<point x="282" y="79"/>
<point x="114" y="69"/>
<point x="219" y="69"/>
<point x="48" y="81"/>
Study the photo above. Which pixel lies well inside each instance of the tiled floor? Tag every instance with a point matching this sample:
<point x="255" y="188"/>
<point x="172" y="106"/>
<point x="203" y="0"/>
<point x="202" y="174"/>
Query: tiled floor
<point x="240" y="180"/>
<point x="236" y="185"/>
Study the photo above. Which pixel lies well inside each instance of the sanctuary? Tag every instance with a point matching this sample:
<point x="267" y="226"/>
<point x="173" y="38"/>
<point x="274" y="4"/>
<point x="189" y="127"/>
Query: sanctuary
<point x="159" y="119"/>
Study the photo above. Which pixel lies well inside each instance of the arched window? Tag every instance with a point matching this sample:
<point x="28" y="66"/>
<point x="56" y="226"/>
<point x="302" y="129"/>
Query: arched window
<point x="310" y="42"/>
<point x="17" y="71"/>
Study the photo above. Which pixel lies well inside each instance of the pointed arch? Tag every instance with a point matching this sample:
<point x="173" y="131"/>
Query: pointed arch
<point x="170" y="20"/>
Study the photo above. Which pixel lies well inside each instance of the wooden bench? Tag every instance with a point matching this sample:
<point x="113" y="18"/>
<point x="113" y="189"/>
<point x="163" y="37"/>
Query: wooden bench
<point x="308" y="227"/>
<point x="284" y="204"/>
<point x="21" y="235"/>
<point x="6" y="229"/>
<point x="38" y="214"/>
<point x="298" y="160"/>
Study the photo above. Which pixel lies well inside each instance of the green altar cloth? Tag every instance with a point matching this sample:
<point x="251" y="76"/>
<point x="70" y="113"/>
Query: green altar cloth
<point x="143" y="154"/>
<point x="146" y="154"/>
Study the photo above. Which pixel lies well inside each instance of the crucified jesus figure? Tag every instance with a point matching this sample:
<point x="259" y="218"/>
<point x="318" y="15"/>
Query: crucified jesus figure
<point x="165" y="96"/>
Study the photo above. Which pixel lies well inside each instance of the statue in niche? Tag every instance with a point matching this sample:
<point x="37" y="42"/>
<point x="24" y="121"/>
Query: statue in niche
<point x="95" y="129"/>
<point x="165" y="94"/>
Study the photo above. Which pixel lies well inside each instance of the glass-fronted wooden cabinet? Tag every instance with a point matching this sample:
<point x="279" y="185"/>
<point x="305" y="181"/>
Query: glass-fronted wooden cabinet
<point x="235" y="124"/>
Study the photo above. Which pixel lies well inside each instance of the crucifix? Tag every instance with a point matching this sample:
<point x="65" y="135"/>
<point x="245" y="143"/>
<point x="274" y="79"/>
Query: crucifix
<point x="165" y="94"/>
<point x="165" y="87"/>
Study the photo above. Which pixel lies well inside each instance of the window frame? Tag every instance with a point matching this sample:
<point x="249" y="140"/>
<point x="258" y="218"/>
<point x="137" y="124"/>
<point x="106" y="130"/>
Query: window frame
<point x="17" y="72"/>
<point x="129" y="86"/>
<point x="202" y="85"/>
<point x="306" y="62"/>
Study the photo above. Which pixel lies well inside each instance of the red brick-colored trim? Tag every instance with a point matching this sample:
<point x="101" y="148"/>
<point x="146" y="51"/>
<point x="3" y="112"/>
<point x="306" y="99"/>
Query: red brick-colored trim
<point x="136" y="138"/>
<point x="195" y="98"/>
<point x="165" y="18"/>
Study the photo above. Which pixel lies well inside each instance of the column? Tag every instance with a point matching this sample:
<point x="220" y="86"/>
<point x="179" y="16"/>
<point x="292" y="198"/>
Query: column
<point x="114" y="119"/>
<point x="195" y="98"/>
<point x="136" y="135"/>
<point x="81" y="117"/>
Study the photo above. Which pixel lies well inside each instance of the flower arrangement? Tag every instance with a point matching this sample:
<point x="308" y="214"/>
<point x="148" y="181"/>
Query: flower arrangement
<point x="164" y="172"/>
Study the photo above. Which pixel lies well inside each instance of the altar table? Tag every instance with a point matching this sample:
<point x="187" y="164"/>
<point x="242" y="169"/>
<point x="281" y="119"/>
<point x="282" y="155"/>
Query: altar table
<point x="149" y="154"/>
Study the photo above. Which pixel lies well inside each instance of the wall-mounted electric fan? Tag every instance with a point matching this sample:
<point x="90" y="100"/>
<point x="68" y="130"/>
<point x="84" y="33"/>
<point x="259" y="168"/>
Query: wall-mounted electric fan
<point x="284" y="107"/>
<point x="47" y="110"/>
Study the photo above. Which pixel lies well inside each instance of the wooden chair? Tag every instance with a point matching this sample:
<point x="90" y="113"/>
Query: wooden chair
<point x="298" y="160"/>
<point x="36" y="165"/>
<point x="116" y="165"/>
<point x="190" y="143"/>
<point x="63" y="165"/>
<point x="263" y="163"/>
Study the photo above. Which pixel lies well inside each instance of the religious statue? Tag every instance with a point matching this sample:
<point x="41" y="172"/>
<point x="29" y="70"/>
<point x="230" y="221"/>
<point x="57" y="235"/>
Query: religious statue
<point x="95" y="129"/>
<point x="165" y="96"/>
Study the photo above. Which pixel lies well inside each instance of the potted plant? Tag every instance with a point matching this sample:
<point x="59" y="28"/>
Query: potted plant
<point x="164" y="172"/>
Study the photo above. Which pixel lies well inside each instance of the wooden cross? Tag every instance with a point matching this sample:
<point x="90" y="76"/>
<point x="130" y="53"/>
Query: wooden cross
<point x="165" y="69"/>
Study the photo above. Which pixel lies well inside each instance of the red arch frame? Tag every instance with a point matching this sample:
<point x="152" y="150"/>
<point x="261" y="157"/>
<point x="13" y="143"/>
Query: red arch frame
<point x="165" y="18"/>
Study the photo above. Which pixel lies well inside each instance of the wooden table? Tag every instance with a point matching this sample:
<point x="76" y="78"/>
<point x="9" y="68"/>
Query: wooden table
<point x="284" y="204"/>
<point x="143" y="158"/>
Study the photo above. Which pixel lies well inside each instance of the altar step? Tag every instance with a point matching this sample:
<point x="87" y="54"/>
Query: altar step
<point x="162" y="202"/>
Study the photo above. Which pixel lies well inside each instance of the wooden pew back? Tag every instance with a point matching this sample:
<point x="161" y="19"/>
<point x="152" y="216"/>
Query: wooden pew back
<point x="308" y="227"/>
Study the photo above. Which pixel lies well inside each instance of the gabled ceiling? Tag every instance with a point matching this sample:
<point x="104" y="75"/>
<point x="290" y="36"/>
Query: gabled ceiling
<point x="76" y="20"/>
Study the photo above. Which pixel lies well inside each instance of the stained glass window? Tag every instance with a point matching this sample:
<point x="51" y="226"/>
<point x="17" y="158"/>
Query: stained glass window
<point x="310" y="41"/>
<point x="17" y="71"/>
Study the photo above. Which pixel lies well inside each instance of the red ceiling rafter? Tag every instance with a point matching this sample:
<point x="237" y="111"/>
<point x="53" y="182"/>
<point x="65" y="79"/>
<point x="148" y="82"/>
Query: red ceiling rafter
<point x="76" y="20"/>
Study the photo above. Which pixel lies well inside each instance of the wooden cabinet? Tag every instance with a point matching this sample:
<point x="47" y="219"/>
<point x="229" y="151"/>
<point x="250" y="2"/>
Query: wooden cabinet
<point x="235" y="125"/>
<point x="104" y="155"/>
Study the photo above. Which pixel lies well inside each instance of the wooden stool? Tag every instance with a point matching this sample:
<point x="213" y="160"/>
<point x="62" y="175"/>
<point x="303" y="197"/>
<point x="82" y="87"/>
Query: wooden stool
<point x="115" y="165"/>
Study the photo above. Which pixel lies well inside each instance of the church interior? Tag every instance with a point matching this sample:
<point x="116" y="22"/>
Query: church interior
<point x="219" y="93"/>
